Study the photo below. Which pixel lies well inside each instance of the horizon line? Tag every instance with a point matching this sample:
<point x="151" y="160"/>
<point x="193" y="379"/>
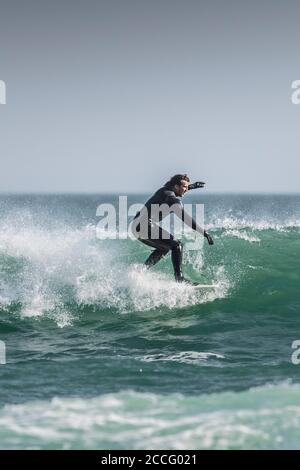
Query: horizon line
<point x="124" y="193"/>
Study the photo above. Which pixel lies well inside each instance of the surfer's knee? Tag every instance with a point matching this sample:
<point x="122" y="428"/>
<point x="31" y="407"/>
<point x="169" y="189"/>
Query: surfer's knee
<point x="177" y="246"/>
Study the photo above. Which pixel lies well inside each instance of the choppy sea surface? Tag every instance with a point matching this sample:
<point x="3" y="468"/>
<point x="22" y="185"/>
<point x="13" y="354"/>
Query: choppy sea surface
<point x="101" y="354"/>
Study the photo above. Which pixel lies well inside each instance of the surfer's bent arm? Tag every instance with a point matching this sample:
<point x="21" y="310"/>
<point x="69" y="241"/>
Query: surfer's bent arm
<point x="187" y="219"/>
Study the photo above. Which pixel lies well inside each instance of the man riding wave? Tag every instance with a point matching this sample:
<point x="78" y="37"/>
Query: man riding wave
<point x="147" y="229"/>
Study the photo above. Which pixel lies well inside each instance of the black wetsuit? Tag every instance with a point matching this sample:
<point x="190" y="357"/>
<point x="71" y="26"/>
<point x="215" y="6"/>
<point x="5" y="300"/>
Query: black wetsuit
<point x="145" y="224"/>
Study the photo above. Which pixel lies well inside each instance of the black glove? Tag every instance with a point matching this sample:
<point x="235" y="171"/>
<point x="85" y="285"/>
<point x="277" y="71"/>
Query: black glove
<point x="198" y="184"/>
<point x="209" y="238"/>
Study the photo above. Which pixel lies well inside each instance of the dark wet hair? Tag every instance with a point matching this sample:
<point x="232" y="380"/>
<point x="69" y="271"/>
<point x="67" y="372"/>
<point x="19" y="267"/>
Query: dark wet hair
<point x="176" y="179"/>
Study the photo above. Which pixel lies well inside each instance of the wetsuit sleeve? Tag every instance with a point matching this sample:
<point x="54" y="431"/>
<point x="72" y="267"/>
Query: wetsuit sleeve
<point x="187" y="219"/>
<point x="172" y="199"/>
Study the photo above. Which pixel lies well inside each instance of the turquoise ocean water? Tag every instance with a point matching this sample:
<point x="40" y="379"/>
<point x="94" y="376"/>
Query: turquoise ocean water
<point x="102" y="355"/>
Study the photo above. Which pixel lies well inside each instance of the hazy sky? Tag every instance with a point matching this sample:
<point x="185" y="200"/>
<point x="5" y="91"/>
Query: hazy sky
<point x="119" y="95"/>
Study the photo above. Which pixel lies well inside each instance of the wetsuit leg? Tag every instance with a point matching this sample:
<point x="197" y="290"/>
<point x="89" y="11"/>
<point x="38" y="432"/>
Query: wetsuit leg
<point x="162" y="244"/>
<point x="177" y="250"/>
<point x="154" y="258"/>
<point x="156" y="255"/>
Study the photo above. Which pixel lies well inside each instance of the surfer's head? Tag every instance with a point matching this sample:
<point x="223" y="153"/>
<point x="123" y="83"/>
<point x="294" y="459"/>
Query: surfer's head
<point x="179" y="184"/>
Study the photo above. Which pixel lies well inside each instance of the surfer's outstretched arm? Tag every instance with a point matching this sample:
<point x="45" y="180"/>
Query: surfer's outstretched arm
<point x="196" y="185"/>
<point x="187" y="219"/>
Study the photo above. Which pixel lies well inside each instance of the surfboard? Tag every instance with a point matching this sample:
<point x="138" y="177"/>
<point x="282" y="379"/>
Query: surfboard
<point x="205" y="286"/>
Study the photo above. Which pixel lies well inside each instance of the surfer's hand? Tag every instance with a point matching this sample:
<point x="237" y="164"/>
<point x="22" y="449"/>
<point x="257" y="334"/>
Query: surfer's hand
<point x="209" y="238"/>
<point x="197" y="184"/>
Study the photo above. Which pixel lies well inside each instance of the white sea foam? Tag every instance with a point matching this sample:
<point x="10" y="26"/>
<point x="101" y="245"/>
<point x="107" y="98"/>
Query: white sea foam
<point x="183" y="357"/>
<point x="54" y="268"/>
<point x="231" y="222"/>
<point x="243" y="235"/>
<point x="261" y="418"/>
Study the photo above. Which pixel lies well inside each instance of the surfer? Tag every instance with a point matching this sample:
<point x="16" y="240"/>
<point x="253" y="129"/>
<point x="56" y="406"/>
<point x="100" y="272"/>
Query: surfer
<point x="148" y="231"/>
